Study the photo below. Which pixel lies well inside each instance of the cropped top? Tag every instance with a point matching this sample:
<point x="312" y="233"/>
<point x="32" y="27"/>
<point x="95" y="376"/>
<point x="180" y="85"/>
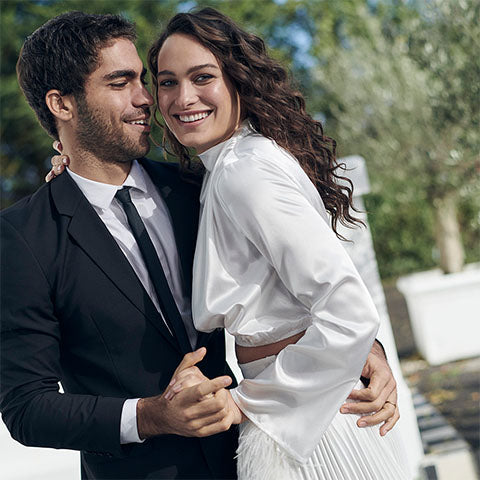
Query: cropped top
<point x="268" y="265"/>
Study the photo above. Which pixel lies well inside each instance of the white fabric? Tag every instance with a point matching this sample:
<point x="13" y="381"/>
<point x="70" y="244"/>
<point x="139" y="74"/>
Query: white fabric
<point x="128" y="422"/>
<point x="345" y="451"/>
<point x="155" y="215"/>
<point x="267" y="266"/>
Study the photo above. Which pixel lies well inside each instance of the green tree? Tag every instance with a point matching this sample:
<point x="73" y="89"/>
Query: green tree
<point x="405" y="96"/>
<point x="396" y="82"/>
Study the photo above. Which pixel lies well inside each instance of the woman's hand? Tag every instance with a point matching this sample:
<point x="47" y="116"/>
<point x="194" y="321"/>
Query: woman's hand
<point x="187" y="374"/>
<point x="59" y="162"/>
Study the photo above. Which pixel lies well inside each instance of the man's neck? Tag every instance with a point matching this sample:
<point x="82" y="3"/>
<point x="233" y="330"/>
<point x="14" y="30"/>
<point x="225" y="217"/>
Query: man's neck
<point x="88" y="166"/>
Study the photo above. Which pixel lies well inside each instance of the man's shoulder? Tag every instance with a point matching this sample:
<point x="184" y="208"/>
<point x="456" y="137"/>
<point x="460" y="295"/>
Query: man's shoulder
<point x="160" y="167"/>
<point x="28" y="206"/>
<point x="170" y="175"/>
<point x="39" y="216"/>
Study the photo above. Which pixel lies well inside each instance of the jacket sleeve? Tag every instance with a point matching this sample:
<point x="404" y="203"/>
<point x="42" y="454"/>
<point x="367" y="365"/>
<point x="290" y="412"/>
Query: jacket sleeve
<point x="294" y="399"/>
<point x="32" y="407"/>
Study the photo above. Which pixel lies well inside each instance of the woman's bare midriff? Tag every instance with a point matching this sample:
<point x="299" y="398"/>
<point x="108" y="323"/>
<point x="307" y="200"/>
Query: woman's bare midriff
<point x="249" y="354"/>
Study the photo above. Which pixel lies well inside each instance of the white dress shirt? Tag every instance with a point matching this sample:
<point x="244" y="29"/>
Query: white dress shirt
<point x="155" y="215"/>
<point x="267" y="266"/>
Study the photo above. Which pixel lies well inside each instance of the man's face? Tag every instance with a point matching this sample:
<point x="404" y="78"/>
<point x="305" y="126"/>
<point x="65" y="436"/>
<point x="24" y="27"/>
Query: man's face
<point x="114" y="111"/>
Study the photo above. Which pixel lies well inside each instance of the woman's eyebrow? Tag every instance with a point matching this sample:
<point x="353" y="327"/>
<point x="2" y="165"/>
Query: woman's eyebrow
<point x="190" y="70"/>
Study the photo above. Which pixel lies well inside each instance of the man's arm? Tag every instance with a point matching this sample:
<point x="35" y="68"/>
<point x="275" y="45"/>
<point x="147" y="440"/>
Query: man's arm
<point x="32" y="407"/>
<point x="379" y="397"/>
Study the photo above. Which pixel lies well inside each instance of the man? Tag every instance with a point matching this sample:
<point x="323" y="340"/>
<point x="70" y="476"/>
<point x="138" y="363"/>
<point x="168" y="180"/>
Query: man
<point x="96" y="279"/>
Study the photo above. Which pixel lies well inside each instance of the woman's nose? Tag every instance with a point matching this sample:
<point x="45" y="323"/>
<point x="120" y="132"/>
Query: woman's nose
<point x="187" y="95"/>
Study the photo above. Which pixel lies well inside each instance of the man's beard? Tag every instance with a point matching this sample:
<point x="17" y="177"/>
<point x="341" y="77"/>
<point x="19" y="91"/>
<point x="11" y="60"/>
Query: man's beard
<point x="96" y="135"/>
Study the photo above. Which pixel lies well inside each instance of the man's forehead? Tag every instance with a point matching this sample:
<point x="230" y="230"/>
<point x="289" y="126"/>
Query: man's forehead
<point x="120" y="54"/>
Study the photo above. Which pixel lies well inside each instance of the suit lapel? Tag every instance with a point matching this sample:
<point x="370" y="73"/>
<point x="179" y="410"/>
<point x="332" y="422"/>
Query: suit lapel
<point x="91" y="234"/>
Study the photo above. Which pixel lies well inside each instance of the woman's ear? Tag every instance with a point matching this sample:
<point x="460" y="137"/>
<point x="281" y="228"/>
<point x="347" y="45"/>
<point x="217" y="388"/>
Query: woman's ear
<point x="60" y="105"/>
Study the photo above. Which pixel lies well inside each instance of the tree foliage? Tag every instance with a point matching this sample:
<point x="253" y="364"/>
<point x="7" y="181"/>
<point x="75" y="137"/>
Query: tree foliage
<point x="395" y="81"/>
<point x="405" y="95"/>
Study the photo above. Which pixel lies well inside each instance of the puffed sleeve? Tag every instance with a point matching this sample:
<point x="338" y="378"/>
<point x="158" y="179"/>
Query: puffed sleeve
<point x="295" y="398"/>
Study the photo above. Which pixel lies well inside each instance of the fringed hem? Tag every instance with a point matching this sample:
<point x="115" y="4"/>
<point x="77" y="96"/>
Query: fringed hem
<point x="259" y="457"/>
<point x="344" y="453"/>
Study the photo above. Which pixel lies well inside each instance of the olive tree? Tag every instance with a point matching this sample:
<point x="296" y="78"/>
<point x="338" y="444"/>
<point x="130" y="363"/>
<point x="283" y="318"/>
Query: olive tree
<point x="407" y="100"/>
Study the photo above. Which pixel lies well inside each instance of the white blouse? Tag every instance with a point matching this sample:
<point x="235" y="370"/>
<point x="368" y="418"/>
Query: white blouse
<point x="268" y="266"/>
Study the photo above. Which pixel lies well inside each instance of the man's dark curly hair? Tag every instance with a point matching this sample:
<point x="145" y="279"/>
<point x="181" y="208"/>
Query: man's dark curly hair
<point x="61" y="54"/>
<point x="267" y="98"/>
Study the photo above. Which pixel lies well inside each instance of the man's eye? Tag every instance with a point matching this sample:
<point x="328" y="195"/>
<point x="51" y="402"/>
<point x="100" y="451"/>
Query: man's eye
<point x="166" y="83"/>
<point x="118" y="84"/>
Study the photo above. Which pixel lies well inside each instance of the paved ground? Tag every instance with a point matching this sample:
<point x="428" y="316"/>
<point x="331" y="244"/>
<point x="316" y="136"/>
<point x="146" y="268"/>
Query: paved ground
<point x="453" y="388"/>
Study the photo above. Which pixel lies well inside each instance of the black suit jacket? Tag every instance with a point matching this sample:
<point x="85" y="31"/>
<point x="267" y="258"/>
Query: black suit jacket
<point x="74" y="311"/>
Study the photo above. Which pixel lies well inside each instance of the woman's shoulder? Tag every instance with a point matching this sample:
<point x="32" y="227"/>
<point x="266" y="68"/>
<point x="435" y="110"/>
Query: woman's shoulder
<point x="254" y="152"/>
<point x="256" y="167"/>
<point x="255" y="145"/>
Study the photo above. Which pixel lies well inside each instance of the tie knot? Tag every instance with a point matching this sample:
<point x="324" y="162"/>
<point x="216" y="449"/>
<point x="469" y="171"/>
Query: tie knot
<point x="123" y="195"/>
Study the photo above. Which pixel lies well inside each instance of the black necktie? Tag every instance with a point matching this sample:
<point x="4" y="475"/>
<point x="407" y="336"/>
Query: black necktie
<point x="155" y="270"/>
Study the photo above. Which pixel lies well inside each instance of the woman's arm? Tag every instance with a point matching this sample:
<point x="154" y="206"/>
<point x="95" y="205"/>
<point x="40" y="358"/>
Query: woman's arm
<point x="310" y="379"/>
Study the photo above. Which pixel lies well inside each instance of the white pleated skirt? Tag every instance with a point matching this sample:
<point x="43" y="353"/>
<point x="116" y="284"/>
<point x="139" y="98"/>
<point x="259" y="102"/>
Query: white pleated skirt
<point x="346" y="452"/>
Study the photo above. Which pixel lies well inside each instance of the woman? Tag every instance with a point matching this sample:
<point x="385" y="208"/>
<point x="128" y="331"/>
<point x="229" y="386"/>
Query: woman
<point x="268" y="268"/>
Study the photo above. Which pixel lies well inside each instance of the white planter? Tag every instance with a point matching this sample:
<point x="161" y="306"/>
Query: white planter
<point x="444" y="312"/>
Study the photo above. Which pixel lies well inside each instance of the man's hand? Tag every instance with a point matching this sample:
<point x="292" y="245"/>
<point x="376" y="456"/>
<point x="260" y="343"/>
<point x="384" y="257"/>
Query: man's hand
<point x="197" y="410"/>
<point x="379" y="398"/>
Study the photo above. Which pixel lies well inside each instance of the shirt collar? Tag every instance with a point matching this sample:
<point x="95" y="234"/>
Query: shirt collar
<point x="101" y="194"/>
<point x="209" y="157"/>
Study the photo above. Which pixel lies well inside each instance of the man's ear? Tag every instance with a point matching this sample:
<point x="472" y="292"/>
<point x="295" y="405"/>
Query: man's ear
<point x="61" y="106"/>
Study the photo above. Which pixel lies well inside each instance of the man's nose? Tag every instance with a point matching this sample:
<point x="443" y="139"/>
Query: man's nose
<point x="143" y="97"/>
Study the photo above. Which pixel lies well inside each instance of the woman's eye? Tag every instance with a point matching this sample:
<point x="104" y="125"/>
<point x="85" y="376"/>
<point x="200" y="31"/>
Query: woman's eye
<point x="203" y="78"/>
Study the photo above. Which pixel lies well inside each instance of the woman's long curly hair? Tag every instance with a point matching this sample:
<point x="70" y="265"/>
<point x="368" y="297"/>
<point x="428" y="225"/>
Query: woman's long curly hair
<point x="268" y="99"/>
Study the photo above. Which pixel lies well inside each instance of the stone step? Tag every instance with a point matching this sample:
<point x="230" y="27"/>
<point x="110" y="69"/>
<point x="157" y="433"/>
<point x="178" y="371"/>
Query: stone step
<point x="447" y="455"/>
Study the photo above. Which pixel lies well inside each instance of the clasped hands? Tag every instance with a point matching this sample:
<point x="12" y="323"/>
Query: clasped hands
<point x="191" y="406"/>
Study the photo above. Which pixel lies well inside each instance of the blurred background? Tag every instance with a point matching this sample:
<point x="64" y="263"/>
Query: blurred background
<point x="396" y="82"/>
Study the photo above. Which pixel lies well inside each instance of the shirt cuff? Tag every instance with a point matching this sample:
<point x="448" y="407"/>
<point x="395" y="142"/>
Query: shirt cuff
<point x="128" y="422"/>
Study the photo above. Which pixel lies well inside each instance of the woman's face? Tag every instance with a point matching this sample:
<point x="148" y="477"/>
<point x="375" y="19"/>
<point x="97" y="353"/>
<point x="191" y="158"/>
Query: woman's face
<point x="197" y="101"/>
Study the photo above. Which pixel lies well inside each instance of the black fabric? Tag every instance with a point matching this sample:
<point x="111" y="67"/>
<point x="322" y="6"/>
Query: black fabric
<point x="167" y="303"/>
<point x="73" y="310"/>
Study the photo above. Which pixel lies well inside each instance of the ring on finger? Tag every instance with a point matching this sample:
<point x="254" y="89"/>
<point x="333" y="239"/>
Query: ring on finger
<point x="391" y="403"/>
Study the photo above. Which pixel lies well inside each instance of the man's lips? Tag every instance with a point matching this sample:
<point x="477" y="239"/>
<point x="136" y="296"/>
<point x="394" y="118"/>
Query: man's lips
<point x="142" y="123"/>
<point x="138" y="122"/>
